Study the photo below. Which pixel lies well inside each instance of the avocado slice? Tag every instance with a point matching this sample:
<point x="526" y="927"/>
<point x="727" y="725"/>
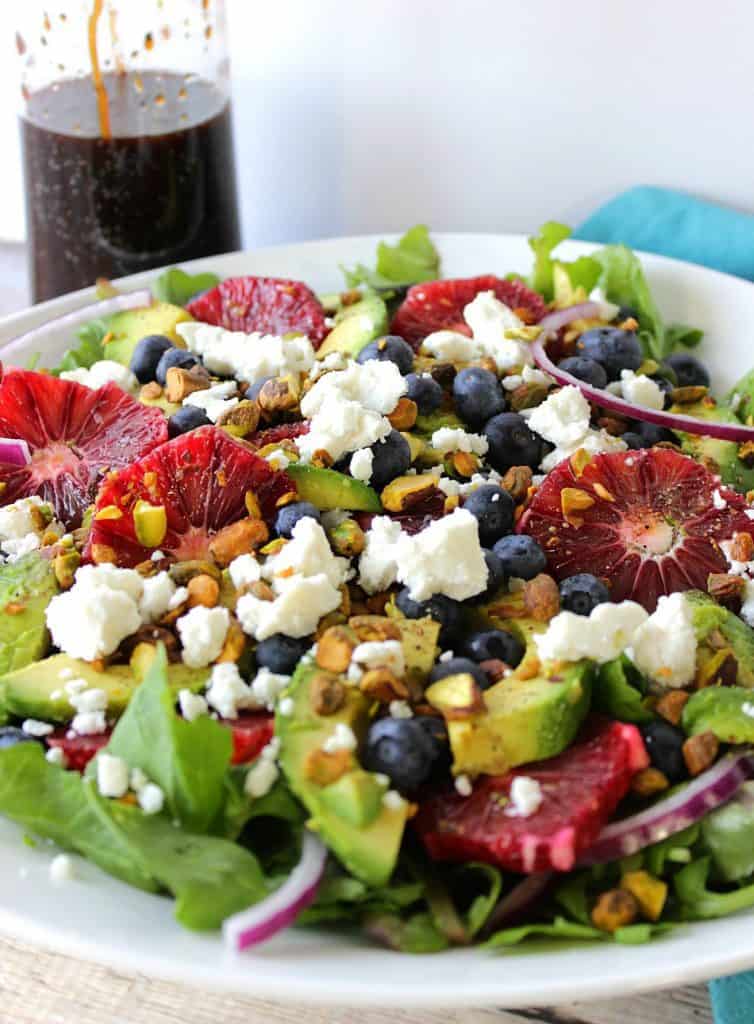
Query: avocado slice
<point x="328" y="489"/>
<point x="127" y="328"/>
<point x="425" y="426"/>
<point x="728" y="834"/>
<point x="722" y="710"/>
<point x="711" y="621"/>
<point x="28" y="691"/>
<point x="26" y="588"/>
<point x="532" y="714"/>
<point x="740" y="398"/>
<point x="343" y="812"/>
<point x="355" y="326"/>
<point x="724" y="454"/>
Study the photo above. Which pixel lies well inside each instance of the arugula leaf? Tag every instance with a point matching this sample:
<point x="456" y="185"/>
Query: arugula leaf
<point x="89" y="350"/>
<point x="341" y="897"/>
<point x="618" y="691"/>
<point x="557" y="929"/>
<point x="30" y="583"/>
<point x="416" y="934"/>
<point x="188" y="760"/>
<point x="682" y="336"/>
<point x="583" y="272"/>
<point x="672" y="851"/>
<point x="699" y="902"/>
<point x="210" y="878"/>
<point x="177" y="287"/>
<point x="637" y="934"/>
<point x="485" y="901"/>
<point x="412" y="259"/>
<point x="624" y="283"/>
<point x="571" y="894"/>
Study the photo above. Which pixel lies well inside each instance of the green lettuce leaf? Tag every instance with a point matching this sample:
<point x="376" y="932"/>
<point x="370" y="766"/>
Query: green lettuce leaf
<point x="560" y="928"/>
<point x="682" y="336"/>
<point x="583" y="272"/>
<point x="618" y="691"/>
<point x="188" y="760"/>
<point x="341" y="897"/>
<point x="89" y="349"/>
<point x="30" y="583"/>
<point x="176" y="286"/>
<point x="412" y="259"/>
<point x="698" y="902"/>
<point x="416" y="934"/>
<point x="625" y="284"/>
<point x="210" y="878"/>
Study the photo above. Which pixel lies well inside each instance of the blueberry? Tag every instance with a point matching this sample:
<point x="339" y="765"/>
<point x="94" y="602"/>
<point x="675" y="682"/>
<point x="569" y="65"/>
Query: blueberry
<point x="457" y="666"/>
<point x="291" y="514"/>
<point x="443" y="610"/>
<point x="280" y="653"/>
<point x="582" y="593"/>
<point x="188" y="417"/>
<point x="173" y="357"/>
<point x="407" y="751"/>
<point x="688" y="370"/>
<point x="494" y="510"/>
<point x="588" y="370"/>
<point x="477" y="395"/>
<point x="146" y="356"/>
<point x="511" y="442"/>
<point x="497" y="644"/>
<point x="390" y="349"/>
<point x="496" y="579"/>
<point x="521" y="556"/>
<point x="616" y="349"/>
<point x="664" y="745"/>
<point x="425" y="391"/>
<point x="10" y="736"/>
<point x="634" y="440"/>
<point x="392" y="457"/>
<point x="252" y="391"/>
<point x="651" y="434"/>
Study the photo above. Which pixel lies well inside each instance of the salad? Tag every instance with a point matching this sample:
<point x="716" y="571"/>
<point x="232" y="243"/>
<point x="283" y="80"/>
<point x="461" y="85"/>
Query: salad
<point x="424" y="607"/>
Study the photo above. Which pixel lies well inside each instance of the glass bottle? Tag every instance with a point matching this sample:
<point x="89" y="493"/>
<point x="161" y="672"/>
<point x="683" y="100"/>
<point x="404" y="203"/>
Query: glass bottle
<point x="126" y="137"/>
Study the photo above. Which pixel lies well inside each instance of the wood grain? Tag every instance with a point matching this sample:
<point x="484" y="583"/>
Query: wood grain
<point x="37" y="987"/>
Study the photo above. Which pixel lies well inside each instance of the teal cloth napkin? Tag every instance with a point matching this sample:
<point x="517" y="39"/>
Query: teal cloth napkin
<point x="673" y="224"/>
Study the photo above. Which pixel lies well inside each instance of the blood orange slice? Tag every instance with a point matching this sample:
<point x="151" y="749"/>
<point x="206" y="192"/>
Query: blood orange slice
<point x="270" y="305"/>
<point x="653" y="527"/>
<point x="580" y="790"/>
<point x="202" y="479"/>
<point x="251" y="731"/>
<point x="74" y="433"/>
<point x="439" y="305"/>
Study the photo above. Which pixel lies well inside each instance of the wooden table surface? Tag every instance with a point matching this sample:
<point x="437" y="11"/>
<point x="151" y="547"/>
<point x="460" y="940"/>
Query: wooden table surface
<point x="40" y="987"/>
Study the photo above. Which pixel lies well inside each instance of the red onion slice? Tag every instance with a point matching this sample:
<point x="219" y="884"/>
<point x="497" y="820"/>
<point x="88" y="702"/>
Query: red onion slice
<point x="522" y="896"/>
<point x="14" y="451"/>
<point x="265" y="919"/>
<point x="38" y="339"/>
<point x="667" y="817"/>
<point x="606" y="400"/>
<point x="583" y="311"/>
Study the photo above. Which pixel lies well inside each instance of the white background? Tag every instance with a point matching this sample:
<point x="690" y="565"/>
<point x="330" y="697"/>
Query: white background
<point x="468" y="114"/>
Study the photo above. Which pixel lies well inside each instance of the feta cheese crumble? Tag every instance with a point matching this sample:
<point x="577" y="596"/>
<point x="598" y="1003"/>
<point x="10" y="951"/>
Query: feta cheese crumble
<point x="151" y="798"/>
<point x="447" y="439"/>
<point x="61" y="869"/>
<point x="214" y="401"/>
<point x="248" y="357"/>
<point x="664" y="646"/>
<point x="393" y="801"/>
<point x="451" y="347"/>
<point x="192" y="705"/>
<point x="378" y="565"/>
<point x="563" y="420"/>
<point x="463" y="785"/>
<point x="307" y="553"/>
<point x="104" y="371"/>
<point x="88" y="723"/>
<point x="360" y="466"/>
<point x="244" y="571"/>
<point x="444" y="558"/>
<point x="341" y="738"/>
<point x="32" y="727"/>
<point x="400" y="709"/>
<point x="22" y="517"/>
<point x="601" y="636"/>
<point x="100" y="610"/>
<point x="203" y="631"/>
<point x="113" y="776"/>
<point x="158" y="591"/>
<point x="380" y="654"/>
<point x="300" y="603"/>
<point x="526" y="797"/>
<point x="264" y="773"/>
<point x="227" y="692"/>
<point x="641" y="390"/>
<point x="718" y="500"/>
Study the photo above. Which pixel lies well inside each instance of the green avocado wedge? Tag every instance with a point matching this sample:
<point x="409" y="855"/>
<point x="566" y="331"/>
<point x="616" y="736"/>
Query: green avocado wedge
<point x="711" y="621"/>
<point x="328" y="489"/>
<point x="129" y="327"/>
<point x="347" y="813"/>
<point x="726" y="711"/>
<point x="27" y="587"/>
<point x="724" y="454"/>
<point x="355" y="326"/>
<point x="38" y="689"/>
